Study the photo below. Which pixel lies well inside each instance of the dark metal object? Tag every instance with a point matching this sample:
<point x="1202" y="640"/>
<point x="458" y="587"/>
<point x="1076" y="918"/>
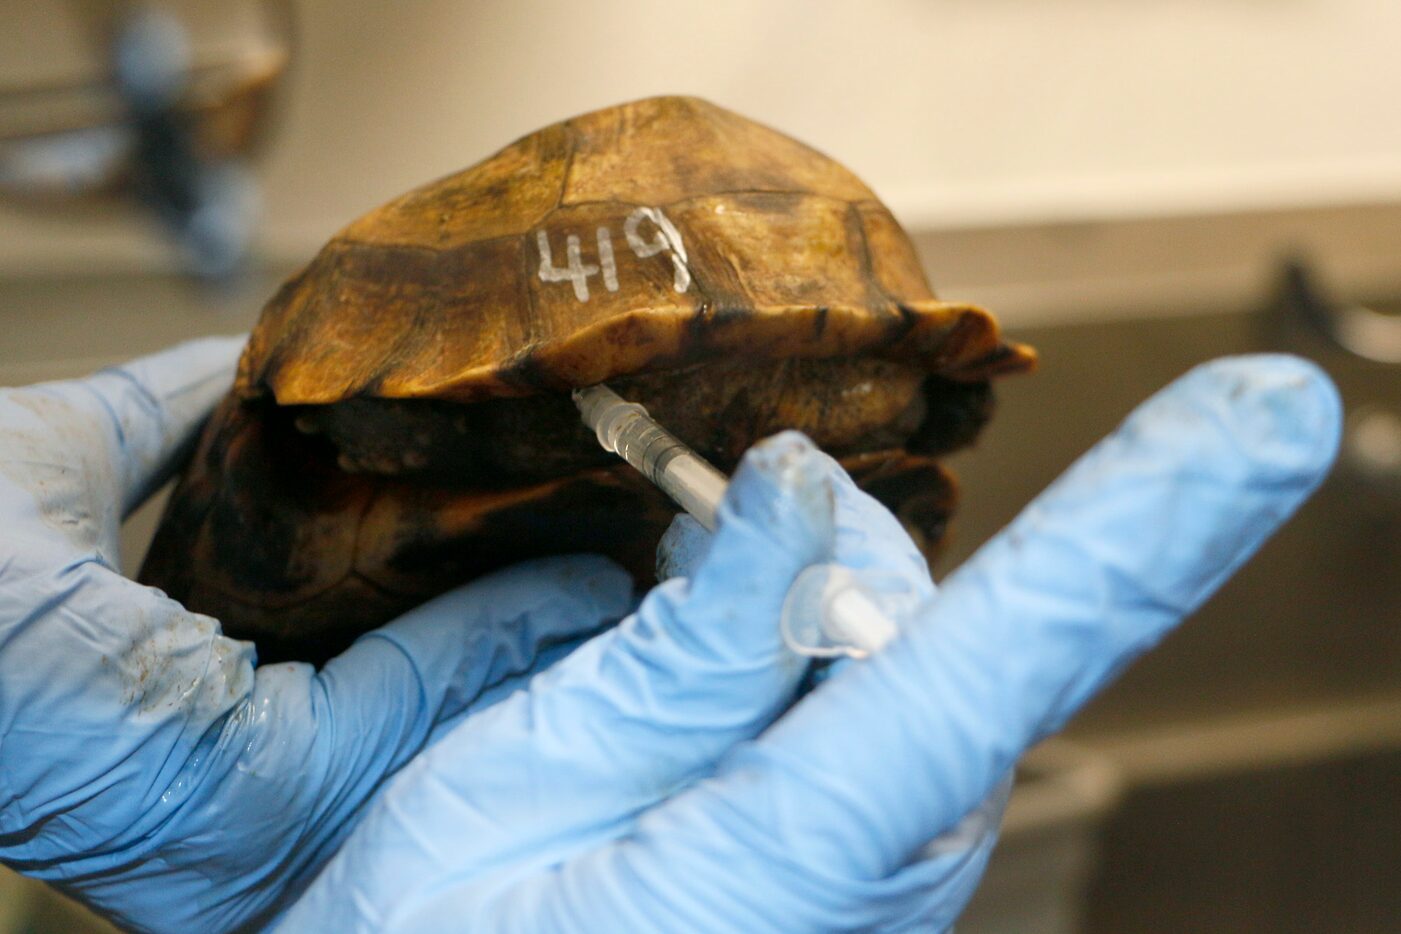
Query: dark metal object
<point x="1305" y="318"/>
<point x="1362" y="331"/>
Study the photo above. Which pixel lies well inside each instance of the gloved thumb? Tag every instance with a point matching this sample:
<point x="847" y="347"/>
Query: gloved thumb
<point x="650" y="704"/>
<point x="319" y="745"/>
<point x="441" y="660"/>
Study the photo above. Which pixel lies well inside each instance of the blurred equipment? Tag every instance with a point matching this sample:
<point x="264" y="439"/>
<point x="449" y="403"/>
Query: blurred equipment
<point x="161" y="106"/>
<point x="1307" y="319"/>
<point x="1364" y="332"/>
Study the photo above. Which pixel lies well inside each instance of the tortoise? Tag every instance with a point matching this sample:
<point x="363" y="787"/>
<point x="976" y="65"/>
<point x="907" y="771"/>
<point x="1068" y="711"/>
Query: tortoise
<point x="401" y="422"/>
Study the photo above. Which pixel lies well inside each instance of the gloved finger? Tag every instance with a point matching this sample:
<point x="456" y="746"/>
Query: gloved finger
<point x="796" y="826"/>
<point x="150" y="408"/>
<point x="926" y="895"/>
<point x="870" y="538"/>
<point x="383" y="698"/>
<point x="683" y="548"/>
<point x="157" y="405"/>
<point x="931" y="891"/>
<point x="436" y="663"/>
<point x="290" y="755"/>
<point x="621" y="723"/>
<point x="546" y="657"/>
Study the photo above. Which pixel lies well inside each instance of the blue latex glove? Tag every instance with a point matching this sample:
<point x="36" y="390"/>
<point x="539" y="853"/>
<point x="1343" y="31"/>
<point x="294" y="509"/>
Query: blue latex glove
<point x="146" y="765"/>
<point x="634" y="786"/>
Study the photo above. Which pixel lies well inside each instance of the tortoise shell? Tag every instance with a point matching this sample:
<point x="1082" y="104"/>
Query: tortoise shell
<point x="400" y="420"/>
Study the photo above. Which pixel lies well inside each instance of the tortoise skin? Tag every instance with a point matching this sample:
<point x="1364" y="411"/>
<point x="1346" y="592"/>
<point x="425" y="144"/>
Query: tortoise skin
<point x="651" y="244"/>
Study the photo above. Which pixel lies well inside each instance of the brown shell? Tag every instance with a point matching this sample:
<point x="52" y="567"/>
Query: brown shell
<point x="782" y="253"/>
<point x="268" y="536"/>
<point x="744" y="245"/>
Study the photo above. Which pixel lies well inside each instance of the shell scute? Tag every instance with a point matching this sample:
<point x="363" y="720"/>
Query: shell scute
<point x="617" y="242"/>
<point x="664" y="150"/>
<point x="503" y="196"/>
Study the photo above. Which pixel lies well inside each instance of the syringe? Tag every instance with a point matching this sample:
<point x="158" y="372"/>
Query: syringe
<point x="829" y="611"/>
<point x="625" y="429"/>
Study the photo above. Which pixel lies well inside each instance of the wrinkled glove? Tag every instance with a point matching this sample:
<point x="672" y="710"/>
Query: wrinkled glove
<point x="146" y="766"/>
<point x="622" y="790"/>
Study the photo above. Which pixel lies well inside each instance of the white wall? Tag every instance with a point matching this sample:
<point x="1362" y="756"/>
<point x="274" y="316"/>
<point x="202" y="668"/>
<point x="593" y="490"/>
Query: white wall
<point x="967" y="110"/>
<point x="961" y="112"/>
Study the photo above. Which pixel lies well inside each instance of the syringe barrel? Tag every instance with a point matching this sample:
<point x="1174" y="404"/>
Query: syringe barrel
<point x="626" y="429"/>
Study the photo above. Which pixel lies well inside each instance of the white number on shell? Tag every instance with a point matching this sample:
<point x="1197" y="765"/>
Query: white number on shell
<point x="665" y="239"/>
<point x="577" y="271"/>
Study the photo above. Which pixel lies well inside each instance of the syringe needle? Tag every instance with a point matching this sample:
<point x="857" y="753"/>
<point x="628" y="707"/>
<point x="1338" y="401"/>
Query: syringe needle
<point x="627" y="430"/>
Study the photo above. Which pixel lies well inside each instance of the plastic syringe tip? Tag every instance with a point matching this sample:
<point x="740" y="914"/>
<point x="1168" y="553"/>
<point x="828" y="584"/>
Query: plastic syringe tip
<point x="626" y="429"/>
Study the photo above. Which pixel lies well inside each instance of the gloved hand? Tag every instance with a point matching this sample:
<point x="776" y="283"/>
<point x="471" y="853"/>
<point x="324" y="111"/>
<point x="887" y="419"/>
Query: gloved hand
<point x="622" y="790"/>
<point x="146" y="765"/>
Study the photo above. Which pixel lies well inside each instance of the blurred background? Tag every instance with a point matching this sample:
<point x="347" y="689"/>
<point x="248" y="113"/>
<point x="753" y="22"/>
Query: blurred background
<point x="1131" y="187"/>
